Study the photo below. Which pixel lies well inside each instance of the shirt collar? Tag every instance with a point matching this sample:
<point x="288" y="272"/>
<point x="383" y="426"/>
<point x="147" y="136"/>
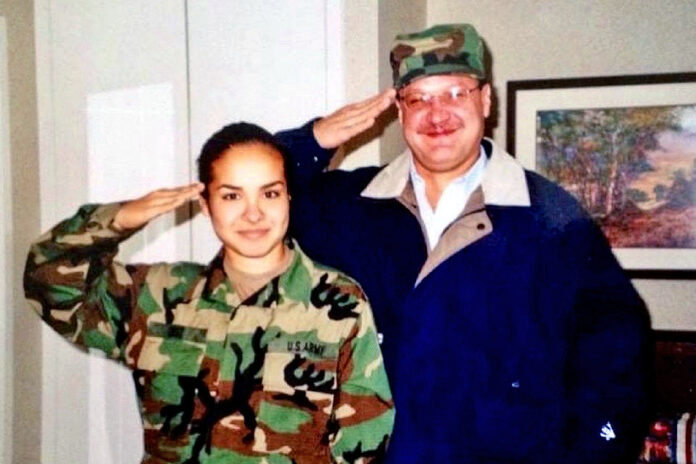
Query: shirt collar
<point x="219" y="291"/>
<point x="504" y="182"/>
<point x="478" y="166"/>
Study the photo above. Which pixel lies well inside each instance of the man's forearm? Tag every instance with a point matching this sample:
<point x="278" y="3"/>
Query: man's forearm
<point x="307" y="159"/>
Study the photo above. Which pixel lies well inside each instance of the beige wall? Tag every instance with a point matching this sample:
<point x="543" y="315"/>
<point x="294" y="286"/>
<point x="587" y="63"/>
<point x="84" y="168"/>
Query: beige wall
<point x="26" y="368"/>
<point x="395" y="17"/>
<point x="370" y="28"/>
<point x="537" y="39"/>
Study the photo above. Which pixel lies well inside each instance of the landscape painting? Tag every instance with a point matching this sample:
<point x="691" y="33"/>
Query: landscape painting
<point x="632" y="168"/>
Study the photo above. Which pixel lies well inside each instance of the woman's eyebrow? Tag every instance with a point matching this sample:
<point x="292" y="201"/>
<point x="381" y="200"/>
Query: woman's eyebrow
<point x="229" y="186"/>
<point x="273" y="184"/>
<point x="235" y="187"/>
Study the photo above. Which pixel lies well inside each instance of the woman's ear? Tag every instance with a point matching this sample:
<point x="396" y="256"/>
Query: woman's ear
<point x="203" y="203"/>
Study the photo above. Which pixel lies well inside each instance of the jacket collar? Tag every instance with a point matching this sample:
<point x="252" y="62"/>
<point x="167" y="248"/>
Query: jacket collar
<point x="503" y="184"/>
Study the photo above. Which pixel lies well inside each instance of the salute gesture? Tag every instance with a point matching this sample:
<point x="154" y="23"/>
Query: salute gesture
<point x="345" y="123"/>
<point x="330" y="132"/>
<point x="136" y="213"/>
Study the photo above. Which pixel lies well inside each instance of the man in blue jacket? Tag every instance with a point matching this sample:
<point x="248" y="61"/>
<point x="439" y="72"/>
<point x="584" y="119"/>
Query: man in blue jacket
<point x="510" y="332"/>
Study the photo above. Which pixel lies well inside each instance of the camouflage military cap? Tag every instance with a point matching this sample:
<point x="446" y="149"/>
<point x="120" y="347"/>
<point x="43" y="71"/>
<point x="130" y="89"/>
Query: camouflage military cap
<point x="441" y="49"/>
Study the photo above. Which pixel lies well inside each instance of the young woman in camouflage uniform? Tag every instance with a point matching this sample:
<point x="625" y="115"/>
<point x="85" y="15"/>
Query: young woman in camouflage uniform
<point x="263" y="356"/>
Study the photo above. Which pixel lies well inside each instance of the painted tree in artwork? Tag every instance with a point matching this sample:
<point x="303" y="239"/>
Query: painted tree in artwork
<point x="596" y="153"/>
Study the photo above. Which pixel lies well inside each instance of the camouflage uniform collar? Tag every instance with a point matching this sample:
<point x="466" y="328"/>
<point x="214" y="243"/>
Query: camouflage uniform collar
<point x="504" y="182"/>
<point x="219" y="289"/>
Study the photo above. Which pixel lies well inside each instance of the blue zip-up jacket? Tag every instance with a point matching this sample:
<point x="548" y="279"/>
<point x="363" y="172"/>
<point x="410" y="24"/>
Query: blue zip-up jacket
<point x="527" y="344"/>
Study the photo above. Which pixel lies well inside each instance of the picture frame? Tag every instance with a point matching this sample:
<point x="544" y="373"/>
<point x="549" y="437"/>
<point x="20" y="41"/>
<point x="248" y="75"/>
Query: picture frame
<point x="625" y="147"/>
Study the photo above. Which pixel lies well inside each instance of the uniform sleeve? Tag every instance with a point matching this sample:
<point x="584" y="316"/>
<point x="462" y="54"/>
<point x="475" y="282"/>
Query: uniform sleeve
<point x="307" y="159"/>
<point x="609" y="363"/>
<point x="363" y="409"/>
<point x="73" y="282"/>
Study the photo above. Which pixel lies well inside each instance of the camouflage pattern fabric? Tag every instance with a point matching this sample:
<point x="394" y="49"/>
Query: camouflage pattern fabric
<point x="442" y="49"/>
<point x="293" y="374"/>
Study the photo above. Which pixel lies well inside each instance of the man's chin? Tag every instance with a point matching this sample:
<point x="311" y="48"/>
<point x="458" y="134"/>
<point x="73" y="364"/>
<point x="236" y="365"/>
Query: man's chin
<point x="443" y="164"/>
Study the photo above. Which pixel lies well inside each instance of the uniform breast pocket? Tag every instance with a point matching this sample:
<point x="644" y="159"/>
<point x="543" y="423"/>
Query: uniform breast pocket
<point x="172" y="349"/>
<point x="169" y="379"/>
<point x="299" y="383"/>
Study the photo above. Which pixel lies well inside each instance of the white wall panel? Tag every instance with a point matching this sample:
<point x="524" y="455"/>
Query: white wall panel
<point x="264" y="62"/>
<point x="130" y="146"/>
<point x="113" y="126"/>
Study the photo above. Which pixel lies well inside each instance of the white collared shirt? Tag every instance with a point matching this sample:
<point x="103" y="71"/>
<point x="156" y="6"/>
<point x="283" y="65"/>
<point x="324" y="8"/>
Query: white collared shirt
<point x="451" y="202"/>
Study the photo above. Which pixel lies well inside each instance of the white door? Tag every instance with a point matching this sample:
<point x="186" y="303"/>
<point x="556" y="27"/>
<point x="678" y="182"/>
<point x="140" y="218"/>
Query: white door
<point x="270" y="62"/>
<point x="113" y="111"/>
<point x="128" y="92"/>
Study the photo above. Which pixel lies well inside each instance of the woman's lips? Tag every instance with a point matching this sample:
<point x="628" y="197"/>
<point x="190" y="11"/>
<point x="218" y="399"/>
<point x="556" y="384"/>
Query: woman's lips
<point x="253" y="234"/>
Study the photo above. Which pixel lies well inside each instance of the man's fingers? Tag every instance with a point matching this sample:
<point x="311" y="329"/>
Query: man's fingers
<point x="340" y="126"/>
<point x="376" y="104"/>
<point x="356" y="120"/>
<point x="363" y="118"/>
<point x="384" y="97"/>
<point x="349" y="131"/>
<point x="360" y="126"/>
<point x="375" y="101"/>
<point x="358" y="116"/>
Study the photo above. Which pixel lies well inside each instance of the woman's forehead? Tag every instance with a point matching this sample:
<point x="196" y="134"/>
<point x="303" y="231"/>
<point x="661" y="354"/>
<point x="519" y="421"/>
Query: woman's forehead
<point x="253" y="164"/>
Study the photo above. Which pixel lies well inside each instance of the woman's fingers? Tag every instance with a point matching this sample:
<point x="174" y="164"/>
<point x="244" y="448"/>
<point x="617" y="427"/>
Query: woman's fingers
<point x="137" y="213"/>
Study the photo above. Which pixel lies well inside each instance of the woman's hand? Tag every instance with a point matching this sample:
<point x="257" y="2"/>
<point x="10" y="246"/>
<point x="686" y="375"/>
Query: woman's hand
<point x="136" y="213"/>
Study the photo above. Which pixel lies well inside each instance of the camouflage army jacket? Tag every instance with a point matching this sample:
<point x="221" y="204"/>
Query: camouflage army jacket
<point x="293" y="374"/>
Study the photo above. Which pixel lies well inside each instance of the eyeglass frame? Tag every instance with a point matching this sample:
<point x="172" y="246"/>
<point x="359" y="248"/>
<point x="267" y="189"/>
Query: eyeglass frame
<point x="451" y="101"/>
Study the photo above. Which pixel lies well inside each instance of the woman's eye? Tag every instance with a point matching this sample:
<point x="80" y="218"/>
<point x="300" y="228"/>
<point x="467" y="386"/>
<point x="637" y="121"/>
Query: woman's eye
<point x="231" y="196"/>
<point x="271" y="194"/>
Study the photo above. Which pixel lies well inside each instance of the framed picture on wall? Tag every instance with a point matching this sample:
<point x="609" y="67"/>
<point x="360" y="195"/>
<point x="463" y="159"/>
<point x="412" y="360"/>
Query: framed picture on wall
<point x="625" y="147"/>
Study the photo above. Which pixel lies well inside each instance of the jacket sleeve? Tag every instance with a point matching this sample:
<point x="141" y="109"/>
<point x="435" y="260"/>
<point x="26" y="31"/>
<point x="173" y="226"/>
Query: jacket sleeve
<point x="609" y="362"/>
<point x="73" y="282"/>
<point x="306" y="159"/>
<point x="363" y="414"/>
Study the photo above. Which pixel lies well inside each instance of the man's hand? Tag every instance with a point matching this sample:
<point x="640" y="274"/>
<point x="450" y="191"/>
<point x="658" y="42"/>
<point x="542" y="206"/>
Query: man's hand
<point x="136" y="213"/>
<point x="342" y="125"/>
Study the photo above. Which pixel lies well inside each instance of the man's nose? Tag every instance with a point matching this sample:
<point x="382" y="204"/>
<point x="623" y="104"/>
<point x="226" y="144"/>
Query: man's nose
<point x="437" y="112"/>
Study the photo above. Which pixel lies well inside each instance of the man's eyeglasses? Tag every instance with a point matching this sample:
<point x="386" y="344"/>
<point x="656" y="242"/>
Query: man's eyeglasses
<point x="455" y="96"/>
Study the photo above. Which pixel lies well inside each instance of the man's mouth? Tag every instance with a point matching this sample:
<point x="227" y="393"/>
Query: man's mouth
<point x="439" y="131"/>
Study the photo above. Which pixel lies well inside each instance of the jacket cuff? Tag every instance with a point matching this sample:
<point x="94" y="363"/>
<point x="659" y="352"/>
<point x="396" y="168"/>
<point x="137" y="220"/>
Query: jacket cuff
<point x="100" y="222"/>
<point x="303" y="148"/>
